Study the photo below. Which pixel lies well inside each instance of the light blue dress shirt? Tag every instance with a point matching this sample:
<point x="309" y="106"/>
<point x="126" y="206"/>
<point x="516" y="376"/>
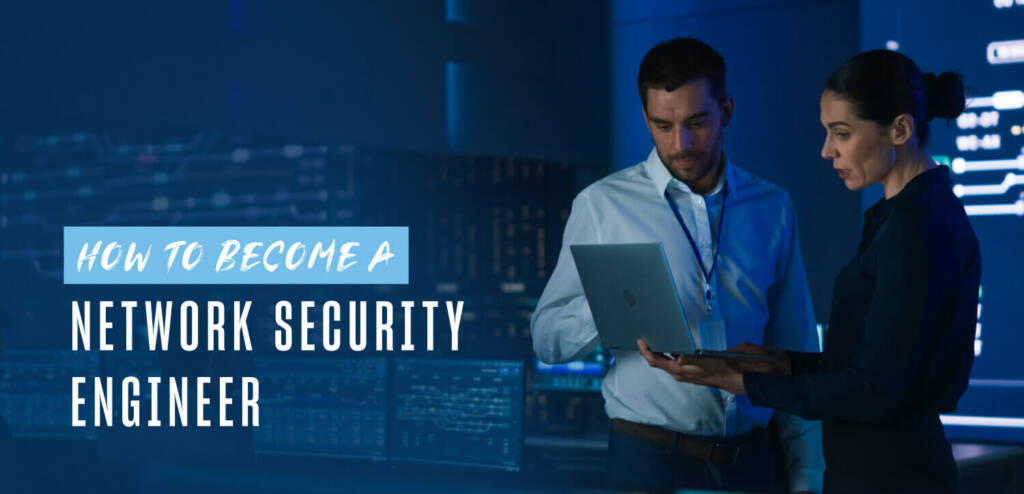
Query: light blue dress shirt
<point x="759" y="288"/>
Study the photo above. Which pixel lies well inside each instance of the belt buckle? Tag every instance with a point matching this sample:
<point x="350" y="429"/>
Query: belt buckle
<point x="732" y="453"/>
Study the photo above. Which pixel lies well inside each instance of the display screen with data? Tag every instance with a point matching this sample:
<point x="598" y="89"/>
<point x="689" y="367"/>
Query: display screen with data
<point x="984" y="148"/>
<point x="458" y="412"/>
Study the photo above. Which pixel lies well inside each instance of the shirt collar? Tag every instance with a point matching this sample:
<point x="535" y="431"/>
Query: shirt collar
<point x="661" y="177"/>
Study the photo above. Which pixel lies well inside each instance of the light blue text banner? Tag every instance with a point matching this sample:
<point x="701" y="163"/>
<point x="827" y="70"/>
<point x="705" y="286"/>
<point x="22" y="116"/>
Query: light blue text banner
<point x="233" y="255"/>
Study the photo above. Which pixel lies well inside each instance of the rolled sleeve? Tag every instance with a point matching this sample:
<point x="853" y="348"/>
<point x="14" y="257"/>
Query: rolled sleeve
<point x="562" y="325"/>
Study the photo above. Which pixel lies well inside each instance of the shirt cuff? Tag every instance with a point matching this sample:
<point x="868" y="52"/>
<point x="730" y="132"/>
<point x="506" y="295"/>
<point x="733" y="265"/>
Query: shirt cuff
<point x="806" y="479"/>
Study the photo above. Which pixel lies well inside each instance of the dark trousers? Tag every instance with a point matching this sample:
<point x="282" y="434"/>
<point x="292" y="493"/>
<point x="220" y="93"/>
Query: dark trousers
<point x="636" y="464"/>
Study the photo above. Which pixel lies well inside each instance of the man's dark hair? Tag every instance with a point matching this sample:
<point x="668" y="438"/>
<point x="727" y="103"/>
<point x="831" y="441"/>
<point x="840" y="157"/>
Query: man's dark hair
<point x="678" y="61"/>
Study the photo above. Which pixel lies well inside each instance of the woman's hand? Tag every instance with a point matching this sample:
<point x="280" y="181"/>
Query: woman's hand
<point x="780" y="365"/>
<point x="697" y="370"/>
<point x="721" y="373"/>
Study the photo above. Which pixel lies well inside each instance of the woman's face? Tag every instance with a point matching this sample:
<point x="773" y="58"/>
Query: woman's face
<point x="861" y="151"/>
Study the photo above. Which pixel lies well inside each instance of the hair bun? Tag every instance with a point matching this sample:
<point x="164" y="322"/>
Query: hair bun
<point x="945" y="95"/>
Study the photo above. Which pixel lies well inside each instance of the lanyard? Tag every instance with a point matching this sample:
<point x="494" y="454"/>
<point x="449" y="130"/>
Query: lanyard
<point x="693" y="245"/>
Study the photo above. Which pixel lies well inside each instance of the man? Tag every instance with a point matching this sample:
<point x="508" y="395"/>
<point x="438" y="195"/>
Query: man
<point x="740" y="278"/>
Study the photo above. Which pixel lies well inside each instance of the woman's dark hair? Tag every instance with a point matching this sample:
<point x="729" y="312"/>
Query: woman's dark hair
<point x="678" y="61"/>
<point x="883" y="84"/>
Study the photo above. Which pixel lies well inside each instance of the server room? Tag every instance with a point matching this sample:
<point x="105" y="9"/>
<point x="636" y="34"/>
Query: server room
<point x="574" y="312"/>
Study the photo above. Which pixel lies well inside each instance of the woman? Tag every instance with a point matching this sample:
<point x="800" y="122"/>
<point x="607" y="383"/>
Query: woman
<point x="900" y="345"/>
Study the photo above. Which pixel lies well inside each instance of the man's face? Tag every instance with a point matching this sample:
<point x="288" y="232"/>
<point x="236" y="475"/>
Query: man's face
<point x="688" y="126"/>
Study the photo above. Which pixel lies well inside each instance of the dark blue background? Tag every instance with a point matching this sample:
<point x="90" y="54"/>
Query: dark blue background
<point x="472" y="122"/>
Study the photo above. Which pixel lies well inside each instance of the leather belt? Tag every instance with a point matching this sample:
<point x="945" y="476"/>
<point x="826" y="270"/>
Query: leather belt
<point x="705" y="449"/>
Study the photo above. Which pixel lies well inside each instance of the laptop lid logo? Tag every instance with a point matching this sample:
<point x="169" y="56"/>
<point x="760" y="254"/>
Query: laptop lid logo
<point x="628" y="296"/>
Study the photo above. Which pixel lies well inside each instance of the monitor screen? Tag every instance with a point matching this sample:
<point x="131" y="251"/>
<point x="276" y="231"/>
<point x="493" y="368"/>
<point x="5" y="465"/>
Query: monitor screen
<point x="35" y="392"/>
<point x="458" y="412"/>
<point x="984" y="149"/>
<point x="585" y="374"/>
<point x="322" y="406"/>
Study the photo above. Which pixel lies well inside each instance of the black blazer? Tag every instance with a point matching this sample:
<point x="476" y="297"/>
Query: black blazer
<point x="898" y="350"/>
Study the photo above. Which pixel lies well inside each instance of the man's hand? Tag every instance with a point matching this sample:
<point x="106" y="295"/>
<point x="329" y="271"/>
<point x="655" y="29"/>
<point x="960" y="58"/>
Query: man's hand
<point x="706" y="371"/>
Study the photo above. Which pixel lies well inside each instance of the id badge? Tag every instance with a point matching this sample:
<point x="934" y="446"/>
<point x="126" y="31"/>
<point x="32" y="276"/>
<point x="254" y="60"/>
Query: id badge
<point x="712" y="334"/>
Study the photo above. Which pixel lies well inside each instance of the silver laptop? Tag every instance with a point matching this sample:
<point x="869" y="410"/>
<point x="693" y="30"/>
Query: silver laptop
<point x="632" y="296"/>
